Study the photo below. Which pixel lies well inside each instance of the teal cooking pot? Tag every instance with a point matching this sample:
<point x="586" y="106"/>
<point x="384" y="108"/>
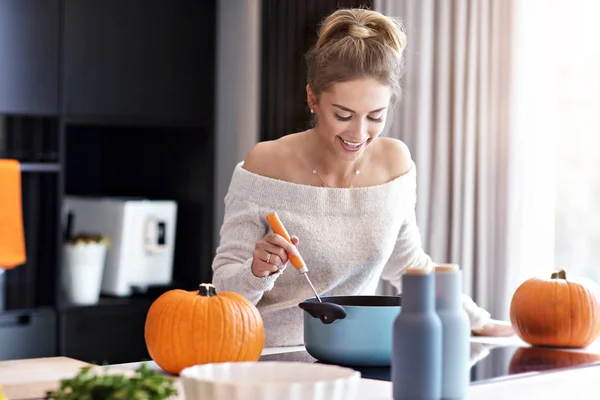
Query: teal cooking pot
<point x="350" y="330"/>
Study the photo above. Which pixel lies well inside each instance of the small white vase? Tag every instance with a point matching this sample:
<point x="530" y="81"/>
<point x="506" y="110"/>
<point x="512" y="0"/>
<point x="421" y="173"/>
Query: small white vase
<point x="83" y="267"/>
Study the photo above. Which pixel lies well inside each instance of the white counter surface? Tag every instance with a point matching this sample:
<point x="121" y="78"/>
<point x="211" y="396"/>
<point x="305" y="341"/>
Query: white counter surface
<point x="579" y="383"/>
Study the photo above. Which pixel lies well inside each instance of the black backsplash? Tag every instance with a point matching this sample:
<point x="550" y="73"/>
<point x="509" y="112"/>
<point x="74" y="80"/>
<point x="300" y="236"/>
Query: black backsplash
<point x="154" y="162"/>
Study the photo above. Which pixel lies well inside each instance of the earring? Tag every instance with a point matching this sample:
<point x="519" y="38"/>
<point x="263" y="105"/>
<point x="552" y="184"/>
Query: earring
<point x="311" y="111"/>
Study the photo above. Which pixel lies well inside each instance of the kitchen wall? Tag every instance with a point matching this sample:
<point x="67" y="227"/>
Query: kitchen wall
<point x="237" y="92"/>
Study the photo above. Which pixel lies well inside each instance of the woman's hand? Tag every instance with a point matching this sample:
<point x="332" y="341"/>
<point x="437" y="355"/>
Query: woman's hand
<point x="495" y="327"/>
<point x="270" y="254"/>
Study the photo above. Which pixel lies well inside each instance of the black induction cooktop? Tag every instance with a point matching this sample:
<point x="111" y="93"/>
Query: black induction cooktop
<point x="488" y="362"/>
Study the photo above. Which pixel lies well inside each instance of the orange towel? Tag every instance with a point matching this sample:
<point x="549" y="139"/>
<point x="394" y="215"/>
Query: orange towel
<point x="12" y="235"/>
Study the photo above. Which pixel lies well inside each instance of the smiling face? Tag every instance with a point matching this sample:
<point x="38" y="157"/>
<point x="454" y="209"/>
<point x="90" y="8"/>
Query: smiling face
<point x="350" y="115"/>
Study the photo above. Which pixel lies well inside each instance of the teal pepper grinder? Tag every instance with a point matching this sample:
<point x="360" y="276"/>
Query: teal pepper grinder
<point x="456" y="329"/>
<point x="417" y="340"/>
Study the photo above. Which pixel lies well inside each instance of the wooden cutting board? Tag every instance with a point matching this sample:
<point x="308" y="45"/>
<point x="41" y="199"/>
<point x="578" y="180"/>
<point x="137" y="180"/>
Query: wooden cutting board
<point x="30" y="379"/>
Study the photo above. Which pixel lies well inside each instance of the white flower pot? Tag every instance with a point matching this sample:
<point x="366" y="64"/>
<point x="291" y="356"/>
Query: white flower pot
<point x="83" y="266"/>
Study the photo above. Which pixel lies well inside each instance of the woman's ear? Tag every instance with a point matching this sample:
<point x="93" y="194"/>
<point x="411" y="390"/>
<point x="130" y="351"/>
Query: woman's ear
<point x="311" y="99"/>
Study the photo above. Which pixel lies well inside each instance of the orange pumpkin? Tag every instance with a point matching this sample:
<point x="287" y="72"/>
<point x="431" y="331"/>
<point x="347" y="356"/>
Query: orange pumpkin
<point x="185" y="328"/>
<point x="534" y="359"/>
<point x="556" y="312"/>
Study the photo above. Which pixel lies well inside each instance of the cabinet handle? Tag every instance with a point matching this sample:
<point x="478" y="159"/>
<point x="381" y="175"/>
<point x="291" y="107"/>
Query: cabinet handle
<point x="14" y="320"/>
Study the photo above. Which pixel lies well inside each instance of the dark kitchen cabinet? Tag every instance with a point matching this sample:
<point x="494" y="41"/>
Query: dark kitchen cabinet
<point x="29" y="47"/>
<point x="108" y="333"/>
<point x="139" y="59"/>
<point x="27" y="334"/>
<point x="103" y="98"/>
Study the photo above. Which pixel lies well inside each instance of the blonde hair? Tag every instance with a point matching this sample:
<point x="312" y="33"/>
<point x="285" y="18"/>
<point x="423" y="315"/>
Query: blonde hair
<point x="356" y="43"/>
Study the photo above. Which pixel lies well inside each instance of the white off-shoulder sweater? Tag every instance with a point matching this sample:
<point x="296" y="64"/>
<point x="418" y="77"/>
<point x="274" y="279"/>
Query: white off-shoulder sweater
<point x="349" y="239"/>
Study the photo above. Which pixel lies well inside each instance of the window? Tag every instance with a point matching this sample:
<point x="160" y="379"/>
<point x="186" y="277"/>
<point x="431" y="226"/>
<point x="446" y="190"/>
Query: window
<point x="557" y="119"/>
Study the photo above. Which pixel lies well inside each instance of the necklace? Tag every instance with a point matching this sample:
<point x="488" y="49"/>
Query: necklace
<point x="356" y="172"/>
<point x="316" y="172"/>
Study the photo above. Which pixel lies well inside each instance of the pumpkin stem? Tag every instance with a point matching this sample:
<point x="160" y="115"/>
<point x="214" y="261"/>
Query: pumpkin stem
<point x="560" y="274"/>
<point x="207" y="290"/>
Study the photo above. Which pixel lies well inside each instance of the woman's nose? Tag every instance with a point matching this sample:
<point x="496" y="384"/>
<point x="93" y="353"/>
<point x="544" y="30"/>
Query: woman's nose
<point x="360" y="128"/>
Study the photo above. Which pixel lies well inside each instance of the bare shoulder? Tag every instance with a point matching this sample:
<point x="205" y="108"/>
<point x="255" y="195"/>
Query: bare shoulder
<point x="267" y="158"/>
<point x="262" y="157"/>
<point x="394" y="155"/>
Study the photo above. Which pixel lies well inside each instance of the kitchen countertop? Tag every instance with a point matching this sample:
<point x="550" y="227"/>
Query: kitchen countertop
<point x="572" y="383"/>
<point x="29" y="378"/>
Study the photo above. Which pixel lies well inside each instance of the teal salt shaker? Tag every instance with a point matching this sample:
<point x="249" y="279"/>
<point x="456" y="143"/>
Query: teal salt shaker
<point x="456" y="329"/>
<point x="417" y="340"/>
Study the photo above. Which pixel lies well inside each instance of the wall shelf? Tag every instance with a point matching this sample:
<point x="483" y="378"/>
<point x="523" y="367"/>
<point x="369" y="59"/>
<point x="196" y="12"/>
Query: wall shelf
<point x="121" y="104"/>
<point x="40" y="167"/>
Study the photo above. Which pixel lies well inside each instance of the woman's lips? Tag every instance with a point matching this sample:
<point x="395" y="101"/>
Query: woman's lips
<point x="352" y="146"/>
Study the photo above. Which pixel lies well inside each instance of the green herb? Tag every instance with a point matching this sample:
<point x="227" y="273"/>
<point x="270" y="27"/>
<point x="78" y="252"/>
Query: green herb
<point x="145" y="385"/>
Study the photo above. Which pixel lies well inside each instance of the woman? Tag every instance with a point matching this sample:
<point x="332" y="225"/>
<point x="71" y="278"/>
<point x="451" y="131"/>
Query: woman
<point x="347" y="194"/>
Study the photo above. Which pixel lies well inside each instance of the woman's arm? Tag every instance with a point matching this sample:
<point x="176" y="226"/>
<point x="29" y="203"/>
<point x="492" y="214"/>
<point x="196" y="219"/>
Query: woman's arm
<point x="242" y="228"/>
<point x="408" y="253"/>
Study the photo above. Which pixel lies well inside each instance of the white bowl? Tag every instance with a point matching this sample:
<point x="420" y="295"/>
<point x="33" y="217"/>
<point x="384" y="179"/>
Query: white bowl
<point x="269" y="380"/>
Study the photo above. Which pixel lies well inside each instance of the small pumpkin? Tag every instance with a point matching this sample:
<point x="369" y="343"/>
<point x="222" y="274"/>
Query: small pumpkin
<point x="536" y="359"/>
<point x="185" y="328"/>
<point x="556" y="312"/>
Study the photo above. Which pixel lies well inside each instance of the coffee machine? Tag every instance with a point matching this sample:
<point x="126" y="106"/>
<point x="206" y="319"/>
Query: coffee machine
<point x="141" y="234"/>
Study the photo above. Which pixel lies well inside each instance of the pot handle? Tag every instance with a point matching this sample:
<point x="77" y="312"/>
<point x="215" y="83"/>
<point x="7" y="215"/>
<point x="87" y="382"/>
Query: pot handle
<point x="326" y="312"/>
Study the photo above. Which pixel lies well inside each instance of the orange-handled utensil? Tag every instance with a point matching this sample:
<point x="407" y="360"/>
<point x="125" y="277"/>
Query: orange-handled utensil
<point x="295" y="260"/>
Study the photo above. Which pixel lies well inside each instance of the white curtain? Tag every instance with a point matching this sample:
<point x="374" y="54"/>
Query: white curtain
<point x="455" y="117"/>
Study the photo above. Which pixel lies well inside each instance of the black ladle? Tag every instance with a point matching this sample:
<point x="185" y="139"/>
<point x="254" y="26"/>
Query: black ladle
<point x="326" y="312"/>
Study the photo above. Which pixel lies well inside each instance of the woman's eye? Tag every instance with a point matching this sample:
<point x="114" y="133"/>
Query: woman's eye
<point x="376" y="118"/>
<point x="348" y="117"/>
<point x="343" y="118"/>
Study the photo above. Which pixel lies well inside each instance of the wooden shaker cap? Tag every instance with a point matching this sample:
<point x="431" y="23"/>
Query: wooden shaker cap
<point x="418" y="271"/>
<point x="447" y="268"/>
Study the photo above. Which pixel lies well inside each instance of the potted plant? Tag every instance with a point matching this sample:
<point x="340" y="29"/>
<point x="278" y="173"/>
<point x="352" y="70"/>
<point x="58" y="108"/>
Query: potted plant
<point x="84" y="256"/>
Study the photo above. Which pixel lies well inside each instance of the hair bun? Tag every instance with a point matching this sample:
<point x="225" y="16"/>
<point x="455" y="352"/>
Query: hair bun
<point x="361" y="24"/>
<point x="361" y="31"/>
<point x="356" y="43"/>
